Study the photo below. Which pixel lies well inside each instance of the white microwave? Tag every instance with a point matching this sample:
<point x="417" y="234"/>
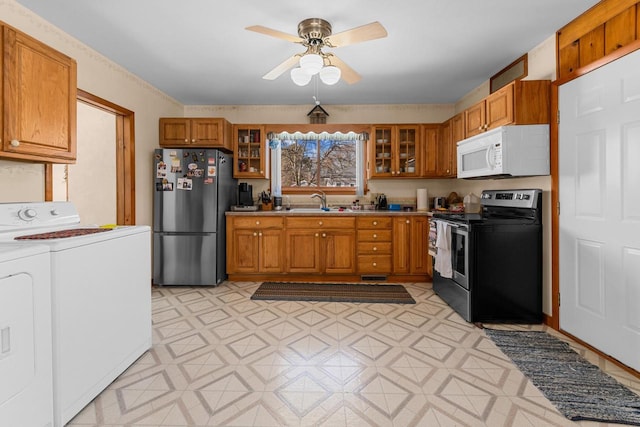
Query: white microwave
<point x="507" y="151"/>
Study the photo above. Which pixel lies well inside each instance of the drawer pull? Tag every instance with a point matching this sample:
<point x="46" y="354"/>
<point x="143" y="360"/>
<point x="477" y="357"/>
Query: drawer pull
<point x="319" y="222"/>
<point x="375" y="236"/>
<point x="375" y="249"/>
<point x="375" y="222"/>
<point x="257" y="222"/>
<point x="375" y="264"/>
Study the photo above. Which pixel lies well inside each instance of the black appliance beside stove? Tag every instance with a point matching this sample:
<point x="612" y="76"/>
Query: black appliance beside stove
<point x="496" y="259"/>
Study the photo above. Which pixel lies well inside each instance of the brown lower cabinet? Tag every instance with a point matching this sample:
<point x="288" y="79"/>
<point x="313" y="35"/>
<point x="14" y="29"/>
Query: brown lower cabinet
<point x="255" y="245"/>
<point x="327" y="247"/>
<point x="320" y="245"/>
<point x="411" y="245"/>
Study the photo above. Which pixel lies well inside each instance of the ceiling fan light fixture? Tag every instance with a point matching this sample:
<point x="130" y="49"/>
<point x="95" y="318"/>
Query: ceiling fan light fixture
<point x="311" y="63"/>
<point x="330" y="75"/>
<point x="300" y="77"/>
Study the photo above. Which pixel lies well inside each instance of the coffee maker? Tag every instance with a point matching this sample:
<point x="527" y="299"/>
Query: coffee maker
<point x="245" y="194"/>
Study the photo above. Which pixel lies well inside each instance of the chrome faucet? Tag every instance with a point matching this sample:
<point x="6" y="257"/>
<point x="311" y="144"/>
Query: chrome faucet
<point x="323" y="198"/>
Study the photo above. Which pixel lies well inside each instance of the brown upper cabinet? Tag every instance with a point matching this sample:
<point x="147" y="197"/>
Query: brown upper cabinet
<point x="395" y="151"/>
<point x="519" y="102"/>
<point x="429" y="150"/>
<point x="39" y="100"/>
<point x="601" y="30"/>
<point x="249" y="147"/>
<point x="201" y="132"/>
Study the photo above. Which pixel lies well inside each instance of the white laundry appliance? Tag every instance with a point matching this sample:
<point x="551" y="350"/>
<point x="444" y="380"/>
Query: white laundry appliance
<point x="26" y="389"/>
<point x="100" y="293"/>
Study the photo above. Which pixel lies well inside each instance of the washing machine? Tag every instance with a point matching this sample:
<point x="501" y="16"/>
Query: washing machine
<point x="26" y="379"/>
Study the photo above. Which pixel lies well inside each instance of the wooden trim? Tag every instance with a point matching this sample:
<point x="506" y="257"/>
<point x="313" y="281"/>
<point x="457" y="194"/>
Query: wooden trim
<point x="592" y="18"/>
<point x="525" y="72"/>
<point x="48" y="182"/>
<point x="318" y="128"/>
<point x="555" y="217"/>
<point x="618" y="53"/>
<point x="601" y="354"/>
<point x="125" y="155"/>
<point x="352" y="278"/>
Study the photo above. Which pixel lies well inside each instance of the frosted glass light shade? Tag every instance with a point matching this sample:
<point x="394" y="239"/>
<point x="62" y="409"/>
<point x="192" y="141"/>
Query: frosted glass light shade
<point x="311" y="63"/>
<point x="300" y="77"/>
<point x="330" y="75"/>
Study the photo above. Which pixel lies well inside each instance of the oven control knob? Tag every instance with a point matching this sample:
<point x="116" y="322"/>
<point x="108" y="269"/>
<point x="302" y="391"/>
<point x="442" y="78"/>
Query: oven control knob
<point x="27" y="214"/>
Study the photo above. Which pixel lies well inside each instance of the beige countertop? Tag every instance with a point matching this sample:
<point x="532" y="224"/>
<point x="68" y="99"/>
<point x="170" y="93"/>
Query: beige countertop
<point x="329" y="213"/>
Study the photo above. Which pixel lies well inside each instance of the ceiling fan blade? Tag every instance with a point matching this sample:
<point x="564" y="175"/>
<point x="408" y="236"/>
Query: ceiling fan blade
<point x="274" y="33"/>
<point x="349" y="75"/>
<point x="371" y="31"/>
<point x="284" y="66"/>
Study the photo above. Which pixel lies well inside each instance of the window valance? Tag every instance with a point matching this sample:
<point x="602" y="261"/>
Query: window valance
<point x="335" y="136"/>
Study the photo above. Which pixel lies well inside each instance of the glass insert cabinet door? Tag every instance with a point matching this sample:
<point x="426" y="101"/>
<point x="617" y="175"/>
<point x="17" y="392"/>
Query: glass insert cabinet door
<point x="394" y="150"/>
<point x="249" y="149"/>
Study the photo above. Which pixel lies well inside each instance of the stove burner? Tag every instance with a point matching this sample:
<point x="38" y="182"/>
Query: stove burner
<point x="61" y="234"/>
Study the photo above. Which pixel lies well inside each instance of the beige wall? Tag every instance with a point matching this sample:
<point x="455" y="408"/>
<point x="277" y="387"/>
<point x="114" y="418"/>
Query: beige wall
<point x="99" y="76"/>
<point x="102" y="77"/>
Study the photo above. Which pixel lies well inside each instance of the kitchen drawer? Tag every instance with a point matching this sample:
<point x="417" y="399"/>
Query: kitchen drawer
<point x="254" y="222"/>
<point x="374" y="222"/>
<point x="374" y="248"/>
<point x="320" y="223"/>
<point x="374" y="264"/>
<point x="374" y="235"/>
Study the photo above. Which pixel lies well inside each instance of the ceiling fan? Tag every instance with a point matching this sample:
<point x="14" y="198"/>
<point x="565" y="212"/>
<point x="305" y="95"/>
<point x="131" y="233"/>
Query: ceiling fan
<point x="315" y="34"/>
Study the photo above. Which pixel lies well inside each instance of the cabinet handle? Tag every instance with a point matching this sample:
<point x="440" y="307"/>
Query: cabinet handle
<point x="186" y="140"/>
<point x="15" y="143"/>
<point x="486" y="126"/>
<point x="317" y="234"/>
<point x="406" y="221"/>
<point x="319" y="222"/>
<point x="260" y="234"/>
<point x="193" y="140"/>
<point x="375" y="264"/>
<point x="375" y="249"/>
<point x="375" y="222"/>
<point x="255" y="234"/>
<point x="480" y="128"/>
<point x="324" y="234"/>
<point x="375" y="236"/>
<point x="257" y="222"/>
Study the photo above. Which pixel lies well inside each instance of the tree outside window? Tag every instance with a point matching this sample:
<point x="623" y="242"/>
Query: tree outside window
<point x="318" y="163"/>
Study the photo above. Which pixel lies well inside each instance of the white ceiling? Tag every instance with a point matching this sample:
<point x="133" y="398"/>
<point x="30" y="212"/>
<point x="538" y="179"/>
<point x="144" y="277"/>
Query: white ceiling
<point x="198" y="52"/>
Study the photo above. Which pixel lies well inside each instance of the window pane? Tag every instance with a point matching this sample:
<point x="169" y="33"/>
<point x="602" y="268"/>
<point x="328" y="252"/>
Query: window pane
<point x="318" y="163"/>
<point x="338" y="163"/>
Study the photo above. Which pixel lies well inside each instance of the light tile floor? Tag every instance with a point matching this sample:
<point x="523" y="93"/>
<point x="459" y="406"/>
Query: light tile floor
<point x="221" y="359"/>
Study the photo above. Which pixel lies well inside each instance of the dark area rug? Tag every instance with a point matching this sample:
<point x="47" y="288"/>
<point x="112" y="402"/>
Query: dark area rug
<point x="337" y="292"/>
<point x="579" y="389"/>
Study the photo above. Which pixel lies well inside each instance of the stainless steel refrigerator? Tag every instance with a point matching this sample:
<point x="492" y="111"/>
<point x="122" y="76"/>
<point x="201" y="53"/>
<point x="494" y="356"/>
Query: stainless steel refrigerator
<point x="193" y="189"/>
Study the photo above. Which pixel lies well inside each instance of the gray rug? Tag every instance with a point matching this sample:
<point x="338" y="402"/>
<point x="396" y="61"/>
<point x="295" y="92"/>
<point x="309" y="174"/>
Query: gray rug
<point x="579" y="389"/>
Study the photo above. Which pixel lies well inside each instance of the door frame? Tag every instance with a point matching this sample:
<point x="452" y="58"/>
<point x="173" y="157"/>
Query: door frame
<point x="125" y="158"/>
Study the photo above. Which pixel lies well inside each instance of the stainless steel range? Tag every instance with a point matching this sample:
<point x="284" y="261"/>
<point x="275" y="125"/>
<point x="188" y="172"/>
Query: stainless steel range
<point x="488" y="266"/>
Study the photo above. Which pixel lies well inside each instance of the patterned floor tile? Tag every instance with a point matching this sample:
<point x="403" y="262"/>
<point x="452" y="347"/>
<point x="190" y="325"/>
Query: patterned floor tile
<point x="222" y="359"/>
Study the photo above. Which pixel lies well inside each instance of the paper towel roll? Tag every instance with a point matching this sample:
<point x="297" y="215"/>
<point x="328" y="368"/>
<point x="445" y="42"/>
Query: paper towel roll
<point x="422" y="203"/>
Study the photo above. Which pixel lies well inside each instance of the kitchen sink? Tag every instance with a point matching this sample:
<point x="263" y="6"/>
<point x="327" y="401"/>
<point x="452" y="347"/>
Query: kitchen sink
<point x="318" y="210"/>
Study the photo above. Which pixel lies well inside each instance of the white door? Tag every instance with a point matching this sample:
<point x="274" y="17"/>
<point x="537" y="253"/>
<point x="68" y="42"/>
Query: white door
<point x="599" y="190"/>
